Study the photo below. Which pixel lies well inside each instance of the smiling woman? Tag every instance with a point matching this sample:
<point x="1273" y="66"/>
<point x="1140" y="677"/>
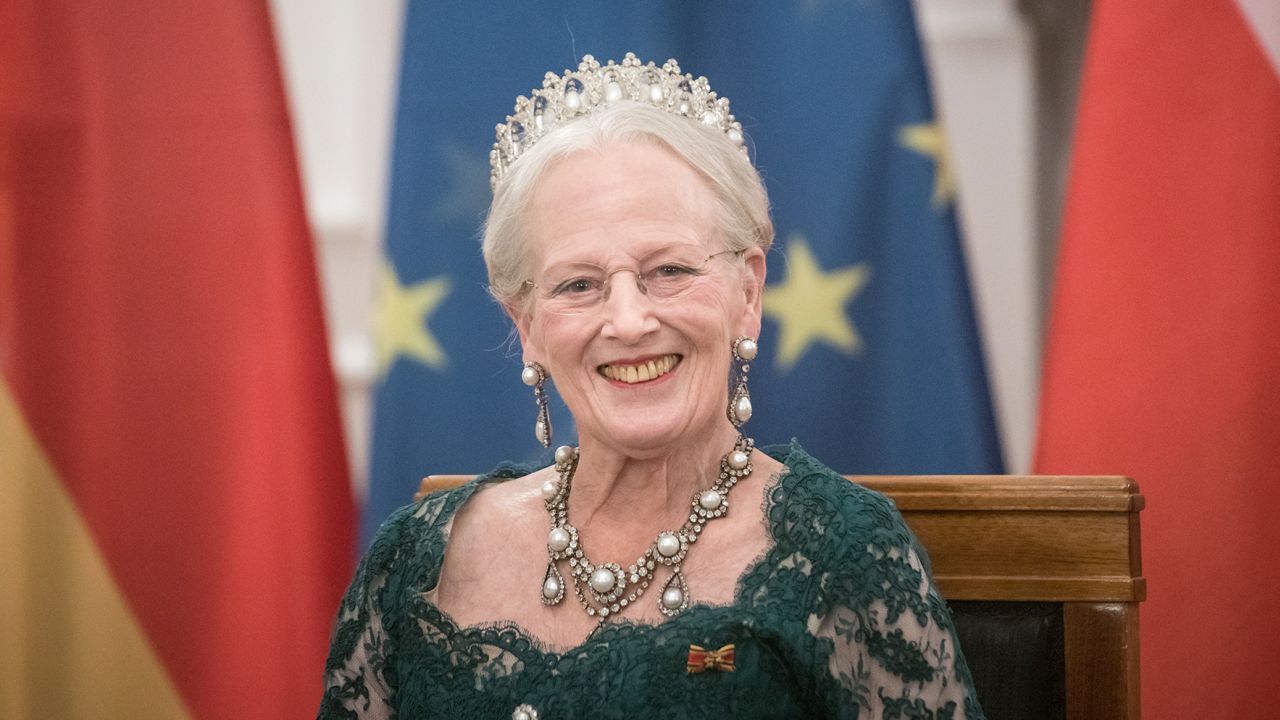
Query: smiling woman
<point x="627" y="240"/>
<point x="638" y="210"/>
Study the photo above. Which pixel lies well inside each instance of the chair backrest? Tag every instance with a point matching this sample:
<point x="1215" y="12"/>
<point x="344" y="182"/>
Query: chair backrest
<point x="1043" y="575"/>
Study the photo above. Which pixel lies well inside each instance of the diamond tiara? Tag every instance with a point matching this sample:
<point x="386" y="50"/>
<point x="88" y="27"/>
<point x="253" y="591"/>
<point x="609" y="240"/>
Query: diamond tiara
<point x="593" y="86"/>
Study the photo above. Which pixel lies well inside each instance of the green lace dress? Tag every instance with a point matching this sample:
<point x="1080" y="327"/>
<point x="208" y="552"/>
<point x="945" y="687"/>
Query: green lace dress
<point x="839" y="618"/>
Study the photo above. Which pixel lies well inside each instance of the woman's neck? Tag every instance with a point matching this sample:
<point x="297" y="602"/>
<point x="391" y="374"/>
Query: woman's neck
<point x="636" y="497"/>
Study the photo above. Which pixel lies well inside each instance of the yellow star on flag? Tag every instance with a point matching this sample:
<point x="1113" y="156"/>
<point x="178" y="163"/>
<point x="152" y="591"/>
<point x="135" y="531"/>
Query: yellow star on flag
<point x="809" y="305"/>
<point x="401" y="320"/>
<point x="929" y="139"/>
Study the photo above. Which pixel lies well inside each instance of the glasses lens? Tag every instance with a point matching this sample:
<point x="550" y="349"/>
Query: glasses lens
<point x="671" y="279"/>
<point x="664" y="275"/>
<point x="573" y="289"/>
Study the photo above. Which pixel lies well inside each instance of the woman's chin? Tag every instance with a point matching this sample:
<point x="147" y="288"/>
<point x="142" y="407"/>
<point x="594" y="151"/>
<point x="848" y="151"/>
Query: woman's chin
<point x="645" y="438"/>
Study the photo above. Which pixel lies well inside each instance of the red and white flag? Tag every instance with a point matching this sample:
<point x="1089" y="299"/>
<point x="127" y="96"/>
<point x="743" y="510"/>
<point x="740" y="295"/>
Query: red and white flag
<point x="1163" y="358"/>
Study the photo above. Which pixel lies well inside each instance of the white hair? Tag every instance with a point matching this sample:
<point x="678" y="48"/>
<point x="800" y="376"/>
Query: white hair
<point x="743" y="212"/>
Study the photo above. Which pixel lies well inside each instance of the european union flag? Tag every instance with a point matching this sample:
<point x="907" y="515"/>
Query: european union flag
<point x="870" y="353"/>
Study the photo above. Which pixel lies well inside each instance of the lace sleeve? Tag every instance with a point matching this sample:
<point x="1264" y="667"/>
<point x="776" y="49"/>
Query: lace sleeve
<point x="360" y="680"/>
<point x="884" y="643"/>
<point x="895" y="654"/>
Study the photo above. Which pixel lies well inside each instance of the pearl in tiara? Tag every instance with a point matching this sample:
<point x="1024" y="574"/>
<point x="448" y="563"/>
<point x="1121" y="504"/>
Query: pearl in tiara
<point x="593" y="86"/>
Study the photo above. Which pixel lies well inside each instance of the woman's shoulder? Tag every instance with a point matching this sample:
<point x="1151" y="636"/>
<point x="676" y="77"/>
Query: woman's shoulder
<point x="415" y="535"/>
<point x="808" y="480"/>
<point x="815" y="506"/>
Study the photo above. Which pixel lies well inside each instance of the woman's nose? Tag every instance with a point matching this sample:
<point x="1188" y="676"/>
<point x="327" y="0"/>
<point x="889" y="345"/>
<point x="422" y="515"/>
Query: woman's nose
<point x="628" y="311"/>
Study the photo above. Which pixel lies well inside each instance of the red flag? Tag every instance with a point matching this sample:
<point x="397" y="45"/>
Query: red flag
<point x="175" y="488"/>
<point x="1163" y="360"/>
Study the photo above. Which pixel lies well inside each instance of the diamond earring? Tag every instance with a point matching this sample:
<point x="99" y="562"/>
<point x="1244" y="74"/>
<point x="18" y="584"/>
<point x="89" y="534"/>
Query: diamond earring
<point x="739" y="410"/>
<point x="535" y="376"/>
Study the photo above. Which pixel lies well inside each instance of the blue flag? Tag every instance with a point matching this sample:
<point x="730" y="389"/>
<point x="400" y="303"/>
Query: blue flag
<point x="869" y="353"/>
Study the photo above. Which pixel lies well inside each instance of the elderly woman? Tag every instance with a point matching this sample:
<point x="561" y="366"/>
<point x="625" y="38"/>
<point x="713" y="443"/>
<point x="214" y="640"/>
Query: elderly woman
<point x="664" y="567"/>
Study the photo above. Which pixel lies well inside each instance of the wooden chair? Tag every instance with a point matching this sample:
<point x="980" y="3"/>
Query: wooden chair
<point x="1043" y="575"/>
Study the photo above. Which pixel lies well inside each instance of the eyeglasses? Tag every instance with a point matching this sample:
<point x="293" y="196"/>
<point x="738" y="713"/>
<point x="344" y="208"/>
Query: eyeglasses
<point x="666" y="275"/>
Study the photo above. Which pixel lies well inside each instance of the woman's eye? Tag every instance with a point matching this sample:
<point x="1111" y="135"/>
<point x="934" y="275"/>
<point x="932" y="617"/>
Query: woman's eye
<point x="575" y="287"/>
<point x="671" y="270"/>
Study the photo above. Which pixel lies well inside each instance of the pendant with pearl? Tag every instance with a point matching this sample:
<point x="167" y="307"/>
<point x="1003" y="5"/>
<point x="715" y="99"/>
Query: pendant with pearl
<point x="606" y="589"/>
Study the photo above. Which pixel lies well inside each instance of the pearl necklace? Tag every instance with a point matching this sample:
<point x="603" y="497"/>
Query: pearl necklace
<point x="605" y="589"/>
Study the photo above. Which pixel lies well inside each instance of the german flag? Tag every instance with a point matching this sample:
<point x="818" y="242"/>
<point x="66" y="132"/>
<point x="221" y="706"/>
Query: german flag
<point x="176" y="522"/>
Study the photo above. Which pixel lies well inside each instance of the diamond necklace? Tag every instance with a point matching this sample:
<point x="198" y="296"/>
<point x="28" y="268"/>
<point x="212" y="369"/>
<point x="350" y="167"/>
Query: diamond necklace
<point x="607" y="589"/>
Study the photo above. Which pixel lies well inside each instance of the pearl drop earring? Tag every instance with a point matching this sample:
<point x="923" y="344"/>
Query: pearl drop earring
<point x="739" y="410"/>
<point x="535" y="376"/>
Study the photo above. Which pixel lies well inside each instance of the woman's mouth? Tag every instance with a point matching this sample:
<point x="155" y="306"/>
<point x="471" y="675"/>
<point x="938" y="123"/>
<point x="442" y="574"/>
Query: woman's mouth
<point x="640" y="372"/>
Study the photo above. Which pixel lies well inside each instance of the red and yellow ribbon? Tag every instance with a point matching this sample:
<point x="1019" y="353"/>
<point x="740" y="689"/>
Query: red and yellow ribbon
<point x="702" y="659"/>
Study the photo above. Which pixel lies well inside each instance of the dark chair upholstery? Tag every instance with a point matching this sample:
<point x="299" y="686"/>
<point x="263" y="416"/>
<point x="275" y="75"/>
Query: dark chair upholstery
<point x="1043" y="575"/>
<point x="1015" y="651"/>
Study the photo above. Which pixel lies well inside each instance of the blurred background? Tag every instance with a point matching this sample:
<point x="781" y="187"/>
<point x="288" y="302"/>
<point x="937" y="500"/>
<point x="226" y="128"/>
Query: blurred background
<point x="242" y="308"/>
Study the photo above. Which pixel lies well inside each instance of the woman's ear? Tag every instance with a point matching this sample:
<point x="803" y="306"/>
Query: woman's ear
<point x="521" y="318"/>
<point x="753" y="288"/>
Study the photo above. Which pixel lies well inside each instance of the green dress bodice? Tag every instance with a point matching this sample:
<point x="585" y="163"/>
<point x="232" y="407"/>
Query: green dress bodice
<point x="838" y="618"/>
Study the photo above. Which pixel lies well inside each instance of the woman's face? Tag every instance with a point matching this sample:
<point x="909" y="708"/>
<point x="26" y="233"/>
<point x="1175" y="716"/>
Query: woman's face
<point x="607" y="214"/>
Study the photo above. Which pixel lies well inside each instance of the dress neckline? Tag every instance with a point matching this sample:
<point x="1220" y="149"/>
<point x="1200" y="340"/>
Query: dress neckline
<point x="622" y="626"/>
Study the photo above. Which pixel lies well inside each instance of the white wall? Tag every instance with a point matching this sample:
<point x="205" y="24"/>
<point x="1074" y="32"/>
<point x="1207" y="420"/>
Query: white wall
<point x="981" y="59"/>
<point x="341" y="67"/>
<point x="341" y="62"/>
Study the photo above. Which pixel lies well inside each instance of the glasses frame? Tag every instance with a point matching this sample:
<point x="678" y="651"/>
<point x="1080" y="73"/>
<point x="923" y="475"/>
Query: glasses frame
<point x="546" y="293"/>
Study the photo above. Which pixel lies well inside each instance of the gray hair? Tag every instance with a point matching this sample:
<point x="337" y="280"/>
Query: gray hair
<point x="743" y="212"/>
